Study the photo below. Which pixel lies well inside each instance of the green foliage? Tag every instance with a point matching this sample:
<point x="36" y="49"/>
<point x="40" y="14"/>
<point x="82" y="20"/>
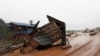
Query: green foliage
<point x="5" y="33"/>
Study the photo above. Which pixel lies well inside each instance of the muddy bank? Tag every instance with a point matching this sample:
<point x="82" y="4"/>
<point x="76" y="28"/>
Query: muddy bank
<point x="83" y="45"/>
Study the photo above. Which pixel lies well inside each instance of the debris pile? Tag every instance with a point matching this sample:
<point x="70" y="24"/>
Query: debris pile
<point x="44" y="36"/>
<point x="92" y="32"/>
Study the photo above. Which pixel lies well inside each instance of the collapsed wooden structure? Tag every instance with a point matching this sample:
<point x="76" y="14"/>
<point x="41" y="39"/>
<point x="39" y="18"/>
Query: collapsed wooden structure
<point x="55" y="29"/>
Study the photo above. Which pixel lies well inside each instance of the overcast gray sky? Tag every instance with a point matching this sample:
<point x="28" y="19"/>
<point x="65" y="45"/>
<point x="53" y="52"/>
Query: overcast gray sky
<point x="77" y="14"/>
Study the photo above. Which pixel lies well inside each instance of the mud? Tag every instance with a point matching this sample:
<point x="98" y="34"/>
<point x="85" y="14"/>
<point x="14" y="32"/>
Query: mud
<point x="83" y="45"/>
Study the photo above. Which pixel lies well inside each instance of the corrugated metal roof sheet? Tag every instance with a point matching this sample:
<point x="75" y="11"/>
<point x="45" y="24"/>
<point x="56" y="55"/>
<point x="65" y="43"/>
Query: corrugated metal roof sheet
<point x="21" y="24"/>
<point x="43" y="40"/>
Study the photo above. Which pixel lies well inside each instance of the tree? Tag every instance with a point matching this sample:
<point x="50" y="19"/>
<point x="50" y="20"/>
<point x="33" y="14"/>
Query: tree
<point x="31" y="22"/>
<point x="5" y="33"/>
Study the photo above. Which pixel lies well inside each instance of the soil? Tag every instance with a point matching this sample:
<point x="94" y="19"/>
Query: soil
<point x="82" y="45"/>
